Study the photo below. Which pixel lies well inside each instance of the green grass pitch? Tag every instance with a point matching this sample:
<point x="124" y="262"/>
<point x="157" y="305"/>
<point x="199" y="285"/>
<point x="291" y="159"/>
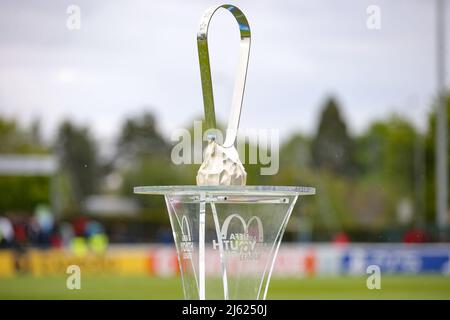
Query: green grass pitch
<point x="116" y="287"/>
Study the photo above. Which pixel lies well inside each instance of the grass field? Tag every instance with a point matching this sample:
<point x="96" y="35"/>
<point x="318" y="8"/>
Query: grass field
<point x="109" y="287"/>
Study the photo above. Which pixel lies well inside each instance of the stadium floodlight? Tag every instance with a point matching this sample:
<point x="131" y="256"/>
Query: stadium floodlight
<point x="441" y="143"/>
<point x="221" y="224"/>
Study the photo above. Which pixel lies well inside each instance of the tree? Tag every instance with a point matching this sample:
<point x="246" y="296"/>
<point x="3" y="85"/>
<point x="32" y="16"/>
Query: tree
<point x="390" y="158"/>
<point x="15" y="139"/>
<point x="23" y="192"/>
<point x="332" y="147"/>
<point x="296" y="151"/>
<point x="77" y="154"/>
<point x="386" y="152"/>
<point x="139" y="135"/>
<point x="143" y="158"/>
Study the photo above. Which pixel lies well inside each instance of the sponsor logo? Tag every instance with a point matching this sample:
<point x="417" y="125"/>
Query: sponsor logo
<point x="186" y="243"/>
<point x="246" y="244"/>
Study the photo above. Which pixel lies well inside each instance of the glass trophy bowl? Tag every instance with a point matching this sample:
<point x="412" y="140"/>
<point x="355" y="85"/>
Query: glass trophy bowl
<point x="227" y="237"/>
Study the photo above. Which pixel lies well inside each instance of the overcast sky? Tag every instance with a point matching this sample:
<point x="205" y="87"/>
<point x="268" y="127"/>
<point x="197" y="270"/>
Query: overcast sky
<point x="134" y="55"/>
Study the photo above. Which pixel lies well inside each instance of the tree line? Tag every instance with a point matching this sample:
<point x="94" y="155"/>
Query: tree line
<point x="382" y="178"/>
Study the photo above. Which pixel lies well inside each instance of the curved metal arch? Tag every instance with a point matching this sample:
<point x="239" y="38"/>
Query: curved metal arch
<point x="205" y="71"/>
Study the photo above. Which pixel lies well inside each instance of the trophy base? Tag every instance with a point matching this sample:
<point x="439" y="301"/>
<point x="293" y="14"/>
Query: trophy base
<point x="230" y="231"/>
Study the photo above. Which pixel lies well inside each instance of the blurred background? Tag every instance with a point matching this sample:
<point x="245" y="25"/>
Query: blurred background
<point x="358" y="91"/>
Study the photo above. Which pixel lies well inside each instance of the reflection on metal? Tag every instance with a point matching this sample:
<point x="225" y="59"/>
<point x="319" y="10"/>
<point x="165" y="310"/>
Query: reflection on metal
<point x="205" y="71"/>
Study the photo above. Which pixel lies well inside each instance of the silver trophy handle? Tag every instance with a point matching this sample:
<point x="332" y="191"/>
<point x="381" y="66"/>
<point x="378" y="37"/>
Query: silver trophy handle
<point x="205" y="71"/>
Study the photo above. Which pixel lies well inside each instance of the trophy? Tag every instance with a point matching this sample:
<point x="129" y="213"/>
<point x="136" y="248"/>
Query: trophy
<point x="226" y="234"/>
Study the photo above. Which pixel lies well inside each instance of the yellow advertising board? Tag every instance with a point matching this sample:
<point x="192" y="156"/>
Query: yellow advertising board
<point x="56" y="262"/>
<point x="7" y="265"/>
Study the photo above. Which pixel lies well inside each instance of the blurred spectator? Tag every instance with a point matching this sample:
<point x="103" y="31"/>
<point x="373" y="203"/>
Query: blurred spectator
<point x="20" y="233"/>
<point x="44" y="221"/>
<point x="79" y="226"/>
<point x="98" y="243"/>
<point x="78" y="246"/>
<point x="93" y="228"/>
<point x="414" y="236"/>
<point x="56" y="240"/>
<point x="6" y="233"/>
<point x="164" y="235"/>
<point x="44" y="218"/>
<point x="41" y="230"/>
<point x="341" y="238"/>
<point x="67" y="233"/>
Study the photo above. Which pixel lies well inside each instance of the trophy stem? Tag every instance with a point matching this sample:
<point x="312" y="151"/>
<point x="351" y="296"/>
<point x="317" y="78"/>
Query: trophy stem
<point x="221" y="252"/>
<point x="201" y="248"/>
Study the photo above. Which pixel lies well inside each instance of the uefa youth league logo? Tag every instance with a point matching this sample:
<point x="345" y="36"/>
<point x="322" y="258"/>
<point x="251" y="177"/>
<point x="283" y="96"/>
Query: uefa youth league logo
<point x="244" y="243"/>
